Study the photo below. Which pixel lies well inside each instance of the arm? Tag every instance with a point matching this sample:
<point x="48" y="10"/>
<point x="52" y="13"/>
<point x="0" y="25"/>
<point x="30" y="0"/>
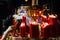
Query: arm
<point x="6" y="32"/>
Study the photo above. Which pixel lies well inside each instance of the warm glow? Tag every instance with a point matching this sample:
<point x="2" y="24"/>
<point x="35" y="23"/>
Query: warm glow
<point x="28" y="35"/>
<point x="40" y="12"/>
<point x="37" y="15"/>
<point x="34" y="22"/>
<point x="52" y="16"/>
<point x="46" y="24"/>
<point x="33" y="2"/>
<point x="34" y="14"/>
<point x="26" y="0"/>
<point x="22" y="24"/>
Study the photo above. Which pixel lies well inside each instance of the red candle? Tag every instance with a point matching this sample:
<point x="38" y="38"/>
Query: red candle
<point x="56" y="27"/>
<point x="45" y="30"/>
<point x="44" y="18"/>
<point x="15" y="24"/>
<point x="40" y="14"/>
<point x="23" y="30"/>
<point x="24" y="19"/>
<point x="55" y="20"/>
<point x="53" y="26"/>
<point x="50" y="19"/>
<point x="34" y="30"/>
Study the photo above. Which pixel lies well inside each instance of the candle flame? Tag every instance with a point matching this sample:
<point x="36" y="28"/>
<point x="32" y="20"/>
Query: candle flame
<point x="34" y="22"/>
<point x="40" y="12"/>
<point x="34" y="14"/>
<point x="52" y="16"/>
<point x="22" y="24"/>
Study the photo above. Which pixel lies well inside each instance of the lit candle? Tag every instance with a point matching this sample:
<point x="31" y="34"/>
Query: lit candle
<point x="34" y="14"/>
<point x="45" y="30"/>
<point x="40" y="13"/>
<point x="56" y="27"/>
<point x="56" y="20"/>
<point x="53" y="19"/>
<point x="24" y="19"/>
<point x="34" y="30"/>
<point x="15" y="24"/>
<point x="53" y="26"/>
<point x="23" y="30"/>
<point x="44" y="18"/>
<point x="50" y="19"/>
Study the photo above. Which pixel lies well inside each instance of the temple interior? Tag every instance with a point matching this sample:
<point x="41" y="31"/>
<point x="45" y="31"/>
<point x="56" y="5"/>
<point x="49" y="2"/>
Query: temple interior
<point x="29" y="20"/>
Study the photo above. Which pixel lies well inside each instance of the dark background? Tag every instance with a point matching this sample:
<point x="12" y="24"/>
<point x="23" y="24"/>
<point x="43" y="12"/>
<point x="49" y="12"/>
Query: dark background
<point x="7" y="7"/>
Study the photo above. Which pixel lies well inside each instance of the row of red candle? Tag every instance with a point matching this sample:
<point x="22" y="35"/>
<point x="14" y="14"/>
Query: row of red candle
<point x="34" y="31"/>
<point x="52" y="29"/>
<point x="22" y="29"/>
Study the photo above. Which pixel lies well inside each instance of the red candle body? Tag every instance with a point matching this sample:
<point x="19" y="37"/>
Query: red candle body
<point x="45" y="30"/>
<point x="56" y="27"/>
<point x="53" y="26"/>
<point x="34" y="31"/>
<point x="23" y="30"/>
<point x="50" y="21"/>
<point x="24" y="19"/>
<point x="44" y="18"/>
<point x="15" y="26"/>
